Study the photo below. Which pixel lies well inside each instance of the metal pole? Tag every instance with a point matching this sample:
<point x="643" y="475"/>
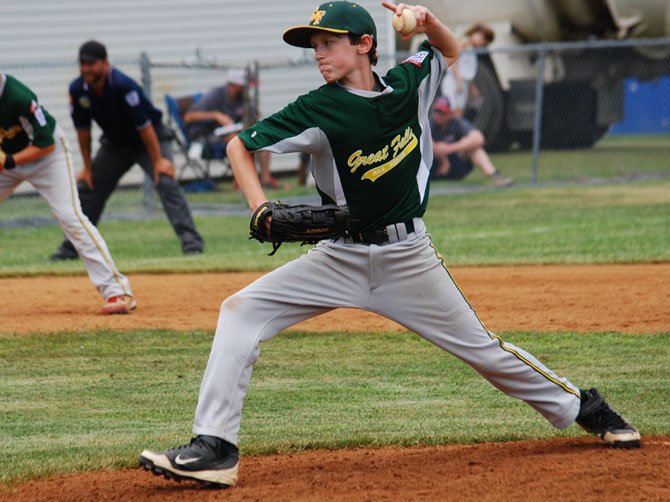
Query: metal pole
<point x="147" y="182"/>
<point x="257" y="89"/>
<point x="537" y="123"/>
<point x="145" y="70"/>
<point x="250" y="114"/>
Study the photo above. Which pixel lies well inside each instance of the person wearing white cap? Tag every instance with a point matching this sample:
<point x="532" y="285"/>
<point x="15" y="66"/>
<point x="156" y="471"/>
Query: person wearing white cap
<point x="223" y="106"/>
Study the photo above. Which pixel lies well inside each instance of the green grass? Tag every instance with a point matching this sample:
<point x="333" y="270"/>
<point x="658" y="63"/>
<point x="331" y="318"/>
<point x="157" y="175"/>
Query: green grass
<point x="593" y="224"/>
<point x="614" y="223"/>
<point x="612" y="157"/>
<point x="89" y="400"/>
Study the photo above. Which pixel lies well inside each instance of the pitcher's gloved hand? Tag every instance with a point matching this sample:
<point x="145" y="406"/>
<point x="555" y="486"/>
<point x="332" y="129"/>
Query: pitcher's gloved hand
<point x="302" y="223"/>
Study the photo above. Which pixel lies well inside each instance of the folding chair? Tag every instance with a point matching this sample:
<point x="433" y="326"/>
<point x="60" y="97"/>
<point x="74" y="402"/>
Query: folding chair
<point x="196" y="159"/>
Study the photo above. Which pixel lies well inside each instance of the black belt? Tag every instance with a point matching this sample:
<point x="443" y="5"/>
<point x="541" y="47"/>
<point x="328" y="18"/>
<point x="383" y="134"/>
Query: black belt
<point x="380" y="236"/>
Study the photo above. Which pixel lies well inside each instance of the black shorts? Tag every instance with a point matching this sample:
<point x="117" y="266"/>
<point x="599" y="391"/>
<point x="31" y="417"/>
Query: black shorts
<point x="459" y="168"/>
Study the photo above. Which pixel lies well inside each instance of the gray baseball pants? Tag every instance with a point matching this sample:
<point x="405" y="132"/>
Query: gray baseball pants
<point x="53" y="177"/>
<point x="404" y="280"/>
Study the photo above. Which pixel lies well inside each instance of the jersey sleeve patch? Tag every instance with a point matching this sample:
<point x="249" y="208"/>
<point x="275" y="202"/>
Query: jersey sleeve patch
<point x="417" y="59"/>
<point x="133" y="98"/>
<point x="36" y="110"/>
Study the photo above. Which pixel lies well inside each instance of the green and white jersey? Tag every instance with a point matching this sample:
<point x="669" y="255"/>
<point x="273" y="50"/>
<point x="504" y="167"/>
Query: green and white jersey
<point x="23" y="121"/>
<point x="370" y="150"/>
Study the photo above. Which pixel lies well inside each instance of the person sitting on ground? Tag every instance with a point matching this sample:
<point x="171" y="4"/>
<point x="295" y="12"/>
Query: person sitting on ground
<point x="457" y="146"/>
<point x="224" y="106"/>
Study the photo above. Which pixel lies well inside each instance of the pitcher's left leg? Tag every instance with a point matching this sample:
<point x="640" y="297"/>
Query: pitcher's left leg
<point x="279" y="299"/>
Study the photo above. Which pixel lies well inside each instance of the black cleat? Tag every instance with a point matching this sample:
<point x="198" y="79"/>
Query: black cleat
<point x="208" y="459"/>
<point x="64" y="252"/>
<point x="598" y="417"/>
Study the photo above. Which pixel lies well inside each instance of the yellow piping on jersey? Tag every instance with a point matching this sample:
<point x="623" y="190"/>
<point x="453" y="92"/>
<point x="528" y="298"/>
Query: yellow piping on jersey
<point x="80" y="217"/>
<point x="498" y="338"/>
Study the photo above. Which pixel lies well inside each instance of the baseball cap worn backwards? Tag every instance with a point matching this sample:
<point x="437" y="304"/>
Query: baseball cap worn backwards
<point x="92" y="51"/>
<point x="333" y="17"/>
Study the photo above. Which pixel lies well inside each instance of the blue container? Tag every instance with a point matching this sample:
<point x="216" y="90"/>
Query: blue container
<point x="646" y="107"/>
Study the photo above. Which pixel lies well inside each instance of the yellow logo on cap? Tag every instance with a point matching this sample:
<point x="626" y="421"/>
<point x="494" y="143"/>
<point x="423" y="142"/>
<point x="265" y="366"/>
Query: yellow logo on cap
<point x="317" y="16"/>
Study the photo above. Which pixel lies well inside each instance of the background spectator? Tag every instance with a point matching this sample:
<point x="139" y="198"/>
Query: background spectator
<point x="224" y="106"/>
<point x="458" y="82"/>
<point x="457" y="146"/>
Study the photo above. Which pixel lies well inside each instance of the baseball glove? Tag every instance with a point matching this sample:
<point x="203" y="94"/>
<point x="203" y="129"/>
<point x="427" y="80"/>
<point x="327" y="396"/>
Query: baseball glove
<point x="302" y="223"/>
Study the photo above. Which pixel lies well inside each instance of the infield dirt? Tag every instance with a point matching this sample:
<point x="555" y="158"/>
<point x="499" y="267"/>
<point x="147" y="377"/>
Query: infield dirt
<point x="602" y="298"/>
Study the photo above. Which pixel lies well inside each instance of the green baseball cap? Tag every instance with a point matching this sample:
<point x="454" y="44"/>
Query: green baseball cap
<point x="335" y="17"/>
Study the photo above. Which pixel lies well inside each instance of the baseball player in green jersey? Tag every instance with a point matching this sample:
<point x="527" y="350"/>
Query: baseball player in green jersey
<point x="33" y="148"/>
<point x="371" y="150"/>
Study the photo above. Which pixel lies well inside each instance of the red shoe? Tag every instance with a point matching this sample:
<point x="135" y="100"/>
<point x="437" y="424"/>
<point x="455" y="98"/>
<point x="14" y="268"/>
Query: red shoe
<point x="121" y="304"/>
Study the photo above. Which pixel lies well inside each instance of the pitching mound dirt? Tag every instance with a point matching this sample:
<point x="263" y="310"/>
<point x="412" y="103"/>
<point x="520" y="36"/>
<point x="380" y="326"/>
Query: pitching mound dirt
<point x="618" y="298"/>
<point x="574" y="469"/>
<point x="621" y="298"/>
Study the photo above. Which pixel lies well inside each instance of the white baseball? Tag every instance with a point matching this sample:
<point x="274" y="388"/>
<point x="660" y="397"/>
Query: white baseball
<point x="405" y="23"/>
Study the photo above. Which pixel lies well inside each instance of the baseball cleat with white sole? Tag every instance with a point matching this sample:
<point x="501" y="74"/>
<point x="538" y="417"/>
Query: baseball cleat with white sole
<point x="598" y="417"/>
<point x="208" y="459"/>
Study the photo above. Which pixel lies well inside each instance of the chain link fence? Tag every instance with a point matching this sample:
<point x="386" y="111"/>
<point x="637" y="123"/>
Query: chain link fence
<point x="582" y="96"/>
<point x="559" y="112"/>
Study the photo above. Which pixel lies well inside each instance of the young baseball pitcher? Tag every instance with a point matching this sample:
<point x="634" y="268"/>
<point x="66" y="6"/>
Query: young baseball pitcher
<point x="371" y="152"/>
<point x="33" y="148"/>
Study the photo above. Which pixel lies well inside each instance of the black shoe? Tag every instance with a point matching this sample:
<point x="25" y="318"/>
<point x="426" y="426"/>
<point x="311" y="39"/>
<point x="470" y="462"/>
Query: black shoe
<point x="598" y="417"/>
<point x="206" y="458"/>
<point x="64" y="252"/>
<point x="192" y="252"/>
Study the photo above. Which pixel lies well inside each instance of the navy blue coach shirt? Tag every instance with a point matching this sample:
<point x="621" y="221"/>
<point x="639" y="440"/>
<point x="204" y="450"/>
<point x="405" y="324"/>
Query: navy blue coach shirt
<point x="121" y="110"/>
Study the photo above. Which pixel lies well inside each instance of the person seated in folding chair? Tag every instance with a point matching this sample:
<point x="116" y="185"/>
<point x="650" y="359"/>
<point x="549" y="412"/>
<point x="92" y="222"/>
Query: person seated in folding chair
<point x="216" y="118"/>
